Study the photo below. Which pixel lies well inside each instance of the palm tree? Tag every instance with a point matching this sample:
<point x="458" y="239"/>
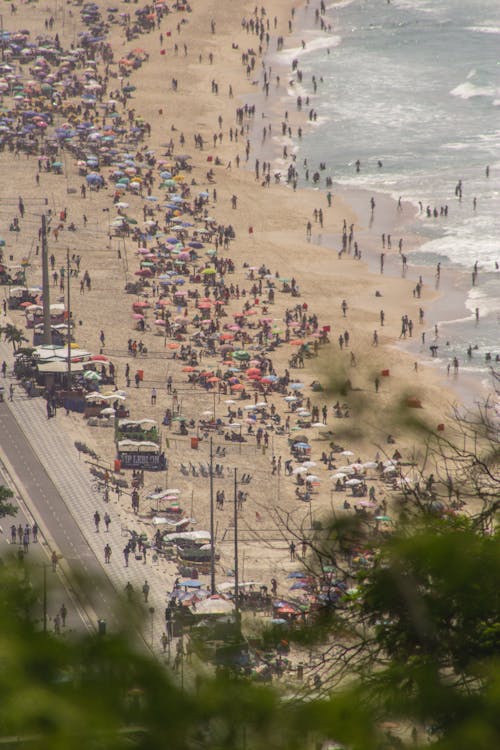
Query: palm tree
<point x="13" y="335"/>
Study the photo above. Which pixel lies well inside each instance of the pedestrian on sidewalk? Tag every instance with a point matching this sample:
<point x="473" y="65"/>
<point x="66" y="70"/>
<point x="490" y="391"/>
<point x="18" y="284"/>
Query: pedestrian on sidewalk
<point x="11" y="392"/>
<point x="13" y="533"/>
<point x="129" y="590"/>
<point x="53" y="560"/>
<point x="4" y="369"/>
<point x="107" y="554"/>
<point x="34" y="531"/>
<point x="126" y="554"/>
<point x="107" y="520"/>
<point x="145" y="591"/>
<point x="164" y="641"/>
<point x="97" y="520"/>
<point x="63" y="613"/>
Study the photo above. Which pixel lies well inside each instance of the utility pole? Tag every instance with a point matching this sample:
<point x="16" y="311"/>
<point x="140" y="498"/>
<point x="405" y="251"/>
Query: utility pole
<point x="236" y="570"/>
<point x="47" y="332"/>
<point x="68" y="313"/>
<point x="44" y="598"/>
<point x="212" y="524"/>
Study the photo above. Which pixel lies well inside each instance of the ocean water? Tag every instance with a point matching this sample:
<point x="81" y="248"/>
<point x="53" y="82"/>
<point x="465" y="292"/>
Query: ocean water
<point x="414" y="84"/>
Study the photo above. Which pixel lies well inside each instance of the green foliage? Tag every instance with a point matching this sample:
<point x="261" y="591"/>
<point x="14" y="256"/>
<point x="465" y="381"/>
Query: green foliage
<point x="13" y="335"/>
<point x="430" y="660"/>
<point x="6" y="508"/>
<point x="434" y="595"/>
<point x="83" y="448"/>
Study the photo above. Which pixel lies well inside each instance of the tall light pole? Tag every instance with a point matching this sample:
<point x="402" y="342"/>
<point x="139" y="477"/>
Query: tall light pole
<point x="44" y="598"/>
<point x="47" y="332"/>
<point x="212" y="521"/>
<point x="68" y="313"/>
<point x="236" y="568"/>
<point x="152" y="613"/>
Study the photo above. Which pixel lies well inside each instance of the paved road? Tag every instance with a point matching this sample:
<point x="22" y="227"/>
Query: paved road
<point x="57" y="486"/>
<point x="57" y="592"/>
<point x="49" y="506"/>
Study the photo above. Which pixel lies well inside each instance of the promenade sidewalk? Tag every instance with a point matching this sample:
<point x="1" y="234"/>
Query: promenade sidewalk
<point x="72" y="478"/>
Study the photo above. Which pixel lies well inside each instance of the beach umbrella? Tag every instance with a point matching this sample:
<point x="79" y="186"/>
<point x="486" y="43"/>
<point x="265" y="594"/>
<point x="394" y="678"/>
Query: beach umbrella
<point x="91" y="375"/>
<point x="299" y="585"/>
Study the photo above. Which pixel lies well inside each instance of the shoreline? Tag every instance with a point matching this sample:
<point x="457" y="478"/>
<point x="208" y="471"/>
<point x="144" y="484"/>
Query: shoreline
<point x="450" y="294"/>
<point x="278" y="240"/>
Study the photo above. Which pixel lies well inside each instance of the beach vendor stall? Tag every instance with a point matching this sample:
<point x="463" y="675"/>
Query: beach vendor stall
<point x="144" y="454"/>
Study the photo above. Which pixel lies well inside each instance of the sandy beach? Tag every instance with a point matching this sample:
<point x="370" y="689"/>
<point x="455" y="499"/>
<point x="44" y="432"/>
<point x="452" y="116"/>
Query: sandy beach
<point x="174" y="93"/>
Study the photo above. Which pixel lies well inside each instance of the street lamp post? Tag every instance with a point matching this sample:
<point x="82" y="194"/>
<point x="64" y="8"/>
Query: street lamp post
<point x="44" y="598"/>
<point x="152" y="613"/>
<point x="212" y="521"/>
